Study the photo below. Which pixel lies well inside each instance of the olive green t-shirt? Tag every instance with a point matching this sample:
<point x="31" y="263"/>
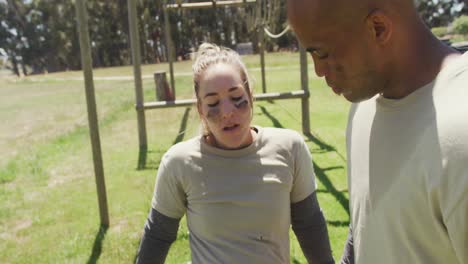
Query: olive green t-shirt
<point x="237" y="202"/>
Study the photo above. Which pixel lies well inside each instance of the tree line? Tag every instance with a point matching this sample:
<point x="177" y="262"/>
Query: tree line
<point x="41" y="36"/>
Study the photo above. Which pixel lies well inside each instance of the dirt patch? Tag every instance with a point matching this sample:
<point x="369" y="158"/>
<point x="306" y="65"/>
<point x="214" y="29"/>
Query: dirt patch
<point x="120" y="226"/>
<point x="11" y="235"/>
<point x="23" y="224"/>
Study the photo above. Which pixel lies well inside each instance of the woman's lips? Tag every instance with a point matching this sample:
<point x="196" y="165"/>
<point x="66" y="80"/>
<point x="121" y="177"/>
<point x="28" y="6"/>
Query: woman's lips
<point x="231" y="127"/>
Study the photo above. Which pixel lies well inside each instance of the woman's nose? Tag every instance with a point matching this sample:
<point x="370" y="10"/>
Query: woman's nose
<point x="227" y="109"/>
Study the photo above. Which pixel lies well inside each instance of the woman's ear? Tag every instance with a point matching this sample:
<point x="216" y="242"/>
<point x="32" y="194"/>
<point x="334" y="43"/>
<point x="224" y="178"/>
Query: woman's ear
<point x="380" y="26"/>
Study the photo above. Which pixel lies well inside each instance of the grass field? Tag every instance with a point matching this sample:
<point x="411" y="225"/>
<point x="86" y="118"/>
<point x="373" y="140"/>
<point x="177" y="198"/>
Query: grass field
<point x="48" y="209"/>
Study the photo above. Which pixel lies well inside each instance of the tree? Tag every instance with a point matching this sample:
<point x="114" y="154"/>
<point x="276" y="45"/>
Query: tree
<point x="438" y="13"/>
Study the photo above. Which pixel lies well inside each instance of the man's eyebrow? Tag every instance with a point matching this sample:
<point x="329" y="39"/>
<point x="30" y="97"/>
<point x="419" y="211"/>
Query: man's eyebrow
<point x="233" y="88"/>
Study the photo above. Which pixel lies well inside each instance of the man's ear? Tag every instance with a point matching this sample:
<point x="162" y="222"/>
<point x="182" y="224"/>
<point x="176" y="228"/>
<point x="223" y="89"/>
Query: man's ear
<point x="380" y="26"/>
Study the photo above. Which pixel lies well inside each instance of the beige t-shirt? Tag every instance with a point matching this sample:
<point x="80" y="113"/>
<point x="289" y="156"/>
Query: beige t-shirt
<point x="408" y="173"/>
<point x="237" y="201"/>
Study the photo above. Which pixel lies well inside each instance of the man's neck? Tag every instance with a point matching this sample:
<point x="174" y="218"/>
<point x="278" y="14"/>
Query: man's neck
<point x="419" y="61"/>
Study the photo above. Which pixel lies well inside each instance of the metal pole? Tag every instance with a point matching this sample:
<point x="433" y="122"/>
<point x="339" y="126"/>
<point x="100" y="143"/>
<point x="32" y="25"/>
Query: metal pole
<point x="305" y="88"/>
<point x="169" y="48"/>
<point x="136" y="59"/>
<point x="86" y="63"/>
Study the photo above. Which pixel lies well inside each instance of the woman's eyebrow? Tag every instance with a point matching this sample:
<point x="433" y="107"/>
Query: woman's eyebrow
<point x="210" y="94"/>
<point x="215" y="94"/>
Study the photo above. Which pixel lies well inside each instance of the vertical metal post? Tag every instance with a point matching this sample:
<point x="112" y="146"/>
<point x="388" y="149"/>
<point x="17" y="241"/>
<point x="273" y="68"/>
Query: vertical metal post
<point x="136" y="59"/>
<point x="169" y="47"/>
<point x="305" y="87"/>
<point x="86" y="63"/>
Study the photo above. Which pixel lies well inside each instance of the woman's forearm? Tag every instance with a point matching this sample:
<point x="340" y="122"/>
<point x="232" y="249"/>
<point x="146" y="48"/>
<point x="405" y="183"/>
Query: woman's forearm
<point x="159" y="233"/>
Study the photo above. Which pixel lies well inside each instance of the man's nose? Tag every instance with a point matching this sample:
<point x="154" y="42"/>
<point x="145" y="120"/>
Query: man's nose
<point x="321" y="67"/>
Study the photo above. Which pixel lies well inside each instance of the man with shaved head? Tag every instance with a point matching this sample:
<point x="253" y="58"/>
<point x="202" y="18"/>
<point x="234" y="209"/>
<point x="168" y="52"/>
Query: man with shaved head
<point x="407" y="135"/>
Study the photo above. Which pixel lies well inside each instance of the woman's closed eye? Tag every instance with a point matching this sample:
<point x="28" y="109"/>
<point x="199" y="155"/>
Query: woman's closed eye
<point x="213" y="104"/>
<point x="237" y="98"/>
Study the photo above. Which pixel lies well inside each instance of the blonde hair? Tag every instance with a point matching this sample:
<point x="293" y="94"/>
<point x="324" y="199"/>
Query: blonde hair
<point x="211" y="54"/>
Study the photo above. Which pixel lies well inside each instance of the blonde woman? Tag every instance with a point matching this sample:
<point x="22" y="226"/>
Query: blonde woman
<point x="240" y="186"/>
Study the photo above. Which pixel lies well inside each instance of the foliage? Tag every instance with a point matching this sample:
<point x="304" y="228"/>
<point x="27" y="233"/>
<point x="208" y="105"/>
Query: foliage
<point x="439" y="31"/>
<point x="460" y="25"/>
<point x="441" y="12"/>
<point x="41" y="35"/>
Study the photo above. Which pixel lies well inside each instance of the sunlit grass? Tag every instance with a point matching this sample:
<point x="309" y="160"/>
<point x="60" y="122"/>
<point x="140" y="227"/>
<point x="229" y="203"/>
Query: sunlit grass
<point x="49" y="211"/>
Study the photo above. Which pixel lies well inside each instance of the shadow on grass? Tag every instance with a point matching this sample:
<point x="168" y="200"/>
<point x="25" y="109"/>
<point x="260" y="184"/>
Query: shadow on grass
<point x="322" y="176"/>
<point x="97" y="247"/>
<point x="276" y="122"/>
<point x="153" y="159"/>
<point x="142" y="155"/>
<point x="338" y="223"/>
<point x="143" y="152"/>
<point x="183" y="127"/>
<point x="296" y="261"/>
<point x="310" y="137"/>
<point x="322" y="145"/>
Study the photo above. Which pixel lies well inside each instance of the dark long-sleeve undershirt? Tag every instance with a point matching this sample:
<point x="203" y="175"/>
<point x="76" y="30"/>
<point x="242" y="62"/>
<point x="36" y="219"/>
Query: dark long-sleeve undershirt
<point x="310" y="227"/>
<point x="159" y="233"/>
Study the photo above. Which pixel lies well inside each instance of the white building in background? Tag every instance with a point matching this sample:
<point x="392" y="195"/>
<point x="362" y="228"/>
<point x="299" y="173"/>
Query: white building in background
<point x="244" y="48"/>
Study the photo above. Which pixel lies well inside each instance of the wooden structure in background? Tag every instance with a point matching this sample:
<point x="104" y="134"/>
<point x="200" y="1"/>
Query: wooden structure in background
<point x="86" y="63"/>
<point x="141" y="106"/>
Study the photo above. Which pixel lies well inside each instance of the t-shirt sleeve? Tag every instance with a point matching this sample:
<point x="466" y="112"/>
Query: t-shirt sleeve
<point x="304" y="176"/>
<point x="169" y="197"/>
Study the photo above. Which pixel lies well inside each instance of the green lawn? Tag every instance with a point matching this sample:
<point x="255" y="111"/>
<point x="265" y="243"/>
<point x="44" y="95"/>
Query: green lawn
<point x="48" y="209"/>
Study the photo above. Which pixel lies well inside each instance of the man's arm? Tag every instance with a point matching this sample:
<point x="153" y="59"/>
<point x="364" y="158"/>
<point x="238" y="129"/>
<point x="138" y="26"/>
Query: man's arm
<point x="308" y="223"/>
<point x="348" y="254"/>
<point x="159" y="233"/>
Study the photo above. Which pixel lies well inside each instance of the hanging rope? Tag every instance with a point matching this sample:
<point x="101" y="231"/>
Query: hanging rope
<point x="271" y="35"/>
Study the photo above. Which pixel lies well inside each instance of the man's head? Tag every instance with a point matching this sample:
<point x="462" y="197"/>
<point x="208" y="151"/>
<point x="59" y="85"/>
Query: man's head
<point x="352" y="43"/>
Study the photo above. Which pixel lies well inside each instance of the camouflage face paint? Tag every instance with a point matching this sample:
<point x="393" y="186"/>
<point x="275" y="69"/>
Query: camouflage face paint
<point x="242" y="104"/>
<point x="213" y="114"/>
